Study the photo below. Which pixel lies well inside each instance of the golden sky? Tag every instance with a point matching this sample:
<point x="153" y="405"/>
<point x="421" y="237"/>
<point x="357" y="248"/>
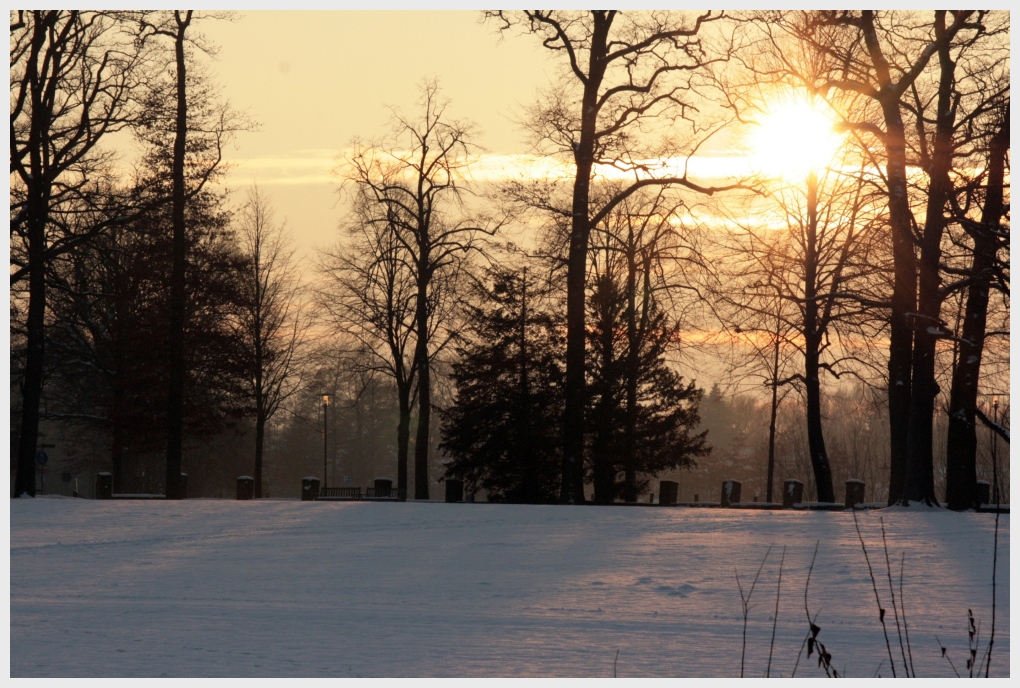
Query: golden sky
<point x="314" y="80"/>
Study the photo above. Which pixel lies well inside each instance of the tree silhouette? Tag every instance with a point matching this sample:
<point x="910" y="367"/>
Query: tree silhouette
<point x="625" y="74"/>
<point x="370" y="294"/>
<point x="412" y="186"/>
<point x="641" y="424"/>
<point x="270" y="327"/>
<point x="74" y="80"/>
<point x="502" y="431"/>
<point x="989" y="236"/>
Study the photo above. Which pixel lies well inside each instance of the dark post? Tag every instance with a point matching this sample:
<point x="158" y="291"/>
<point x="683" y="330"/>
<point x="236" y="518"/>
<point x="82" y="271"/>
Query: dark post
<point x="982" y="493"/>
<point x="793" y="493"/>
<point x="325" y="436"/>
<point x="854" y="493"/>
<point x="245" y="487"/>
<point x="104" y="485"/>
<point x="668" y="492"/>
<point x="730" y="493"/>
<point x="454" y="490"/>
<point x="182" y="486"/>
<point x="309" y="489"/>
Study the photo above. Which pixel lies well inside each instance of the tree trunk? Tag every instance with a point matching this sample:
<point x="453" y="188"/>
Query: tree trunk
<point x="260" y="436"/>
<point x="961" y="444"/>
<point x="903" y="302"/>
<point x="812" y="342"/>
<point x="117" y="419"/>
<point x="31" y="394"/>
<point x="772" y="420"/>
<point x="403" y="438"/>
<point x="39" y="190"/>
<point x="816" y="441"/>
<point x="572" y="487"/>
<point x="421" y="440"/>
<point x="178" y="295"/>
<point x="904" y="297"/>
<point x="633" y="344"/>
<point x="919" y="483"/>
<point x="603" y="468"/>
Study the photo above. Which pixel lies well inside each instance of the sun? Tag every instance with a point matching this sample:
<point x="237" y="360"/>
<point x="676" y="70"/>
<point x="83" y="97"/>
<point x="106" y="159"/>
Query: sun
<point x="793" y="137"/>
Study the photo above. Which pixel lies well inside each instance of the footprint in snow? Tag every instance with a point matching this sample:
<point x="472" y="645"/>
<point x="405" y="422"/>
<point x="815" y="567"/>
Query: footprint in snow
<point x="643" y="580"/>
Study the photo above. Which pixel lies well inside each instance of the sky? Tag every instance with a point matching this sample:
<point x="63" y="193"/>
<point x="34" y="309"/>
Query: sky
<point x="314" y="80"/>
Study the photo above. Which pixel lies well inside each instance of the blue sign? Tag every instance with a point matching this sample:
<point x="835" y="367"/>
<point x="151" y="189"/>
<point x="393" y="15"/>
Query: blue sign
<point x="41" y="457"/>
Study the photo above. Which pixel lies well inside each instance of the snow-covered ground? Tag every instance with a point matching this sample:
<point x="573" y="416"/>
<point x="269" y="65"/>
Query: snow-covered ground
<point x="285" y="588"/>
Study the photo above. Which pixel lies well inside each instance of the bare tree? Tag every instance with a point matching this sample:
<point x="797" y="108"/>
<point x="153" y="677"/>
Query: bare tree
<point x="412" y="186"/>
<point x="624" y="74"/>
<point x="73" y="78"/>
<point x="880" y="56"/>
<point x="989" y="236"/>
<point x="950" y="117"/>
<point x="271" y="326"/>
<point x="370" y="294"/>
<point x="808" y="263"/>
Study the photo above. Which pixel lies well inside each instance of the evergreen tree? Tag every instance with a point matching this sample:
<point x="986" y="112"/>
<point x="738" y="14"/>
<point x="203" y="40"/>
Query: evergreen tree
<point x="503" y="431"/>
<point x="665" y="407"/>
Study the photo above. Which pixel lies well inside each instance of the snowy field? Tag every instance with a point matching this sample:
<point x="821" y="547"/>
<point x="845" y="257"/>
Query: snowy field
<point x="285" y="588"/>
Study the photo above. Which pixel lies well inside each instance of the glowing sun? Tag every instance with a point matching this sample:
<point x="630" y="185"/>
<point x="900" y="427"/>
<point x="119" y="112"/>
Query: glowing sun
<point x="793" y="137"/>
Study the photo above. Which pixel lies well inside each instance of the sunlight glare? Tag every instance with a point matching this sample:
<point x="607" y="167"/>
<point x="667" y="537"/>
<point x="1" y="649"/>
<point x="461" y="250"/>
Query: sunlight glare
<point x="793" y="138"/>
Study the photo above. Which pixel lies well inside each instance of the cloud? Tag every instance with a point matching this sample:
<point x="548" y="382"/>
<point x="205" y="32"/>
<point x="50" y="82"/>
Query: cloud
<point x="317" y="166"/>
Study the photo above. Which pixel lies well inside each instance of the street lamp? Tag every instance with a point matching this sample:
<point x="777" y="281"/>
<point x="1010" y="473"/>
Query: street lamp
<point x="325" y="436"/>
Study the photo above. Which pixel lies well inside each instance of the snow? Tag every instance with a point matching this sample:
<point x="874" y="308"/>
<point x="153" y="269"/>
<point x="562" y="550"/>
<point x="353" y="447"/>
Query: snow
<point x="288" y="588"/>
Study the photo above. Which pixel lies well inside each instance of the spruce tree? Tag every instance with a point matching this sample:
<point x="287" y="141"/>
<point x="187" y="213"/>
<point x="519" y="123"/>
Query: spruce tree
<point x="503" y="432"/>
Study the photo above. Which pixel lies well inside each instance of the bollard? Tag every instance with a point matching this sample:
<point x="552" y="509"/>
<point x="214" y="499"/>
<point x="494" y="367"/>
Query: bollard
<point x="309" y="489"/>
<point x="454" y="490"/>
<point x="730" y="493"/>
<point x="383" y="487"/>
<point x="668" y="491"/>
<point x="793" y="493"/>
<point x="184" y="485"/>
<point x="104" y="485"/>
<point x="246" y="487"/>
<point x="982" y="493"/>
<point x="854" y="494"/>
<point x="695" y="497"/>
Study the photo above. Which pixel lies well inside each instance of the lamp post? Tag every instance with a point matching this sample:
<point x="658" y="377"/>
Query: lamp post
<point x="325" y="437"/>
<point x="995" y="452"/>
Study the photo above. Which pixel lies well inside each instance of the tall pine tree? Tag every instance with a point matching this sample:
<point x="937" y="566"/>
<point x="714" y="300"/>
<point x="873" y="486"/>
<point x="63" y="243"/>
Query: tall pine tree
<point x="502" y="433"/>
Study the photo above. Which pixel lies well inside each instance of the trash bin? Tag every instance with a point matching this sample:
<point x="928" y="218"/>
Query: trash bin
<point x="668" y="490"/>
<point x="104" y="485"/>
<point x="730" y="493"/>
<point x="246" y="487"/>
<point x="793" y="493"/>
<point x="854" y="493"/>
<point x="309" y="489"/>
